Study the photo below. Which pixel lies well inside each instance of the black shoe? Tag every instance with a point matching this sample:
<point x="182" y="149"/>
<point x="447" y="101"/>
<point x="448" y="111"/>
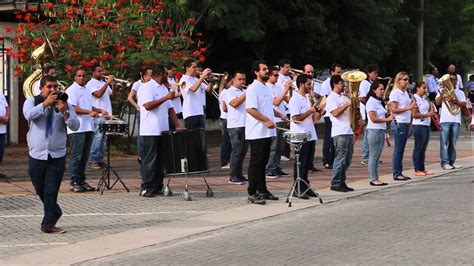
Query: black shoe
<point x="314" y="169"/>
<point x="235" y="181"/>
<point x="281" y="173"/>
<point x="305" y="197"/>
<point x="377" y="185"/>
<point x="256" y="199"/>
<point x="311" y="193"/>
<point x="87" y="187"/>
<point x="139" y="160"/>
<point x="271" y="175"/>
<point x="147" y="193"/>
<point x="76" y="188"/>
<point x="2" y="176"/>
<point x="269" y="196"/>
<point x="243" y="178"/>
<point x="348" y="188"/>
<point x="339" y="188"/>
<point x="157" y="191"/>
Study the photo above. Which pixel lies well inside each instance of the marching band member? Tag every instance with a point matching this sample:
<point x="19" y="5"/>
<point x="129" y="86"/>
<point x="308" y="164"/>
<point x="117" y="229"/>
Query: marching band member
<point x="279" y="97"/>
<point x="400" y="105"/>
<point x="338" y="107"/>
<point x="47" y="147"/>
<point x="4" y="119"/>
<point x="421" y="128"/>
<point x="155" y="104"/>
<point x="259" y="130"/>
<point x="284" y="76"/>
<point x="452" y="71"/>
<point x="81" y="139"/>
<point x="376" y="126"/>
<point x="172" y="86"/>
<point x="432" y="82"/>
<point x="450" y="127"/>
<point x="102" y="94"/>
<point x="145" y="76"/>
<point x="48" y="69"/>
<point x="234" y="100"/>
<point x="328" y="145"/>
<point x="301" y="113"/>
<point x="372" y="75"/>
<point x="226" y="146"/>
<point x="193" y="90"/>
<point x="309" y="70"/>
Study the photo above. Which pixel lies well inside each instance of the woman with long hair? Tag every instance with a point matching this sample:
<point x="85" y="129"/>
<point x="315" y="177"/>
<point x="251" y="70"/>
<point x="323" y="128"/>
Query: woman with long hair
<point x="400" y="106"/>
<point x="376" y="126"/>
<point x="421" y="128"/>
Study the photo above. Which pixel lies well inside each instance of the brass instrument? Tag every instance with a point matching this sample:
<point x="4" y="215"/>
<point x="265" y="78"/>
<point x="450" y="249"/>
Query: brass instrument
<point x="354" y="78"/>
<point x="388" y="86"/>
<point x="42" y="54"/>
<point x="447" y="94"/>
<point x="123" y="82"/>
<point x="298" y="72"/>
<point x="219" y="81"/>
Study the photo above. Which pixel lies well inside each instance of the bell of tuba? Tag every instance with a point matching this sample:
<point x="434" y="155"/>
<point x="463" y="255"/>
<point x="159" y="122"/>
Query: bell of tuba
<point x="354" y="78"/>
<point x="447" y="94"/>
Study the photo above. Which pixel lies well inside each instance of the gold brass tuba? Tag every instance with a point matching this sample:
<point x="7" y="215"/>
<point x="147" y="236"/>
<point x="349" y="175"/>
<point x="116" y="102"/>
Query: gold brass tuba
<point x="354" y="78"/>
<point x="447" y="94"/>
<point x="42" y="54"/>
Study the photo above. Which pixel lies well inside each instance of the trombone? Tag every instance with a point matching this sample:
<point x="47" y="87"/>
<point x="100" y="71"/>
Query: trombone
<point x="122" y="81"/>
<point x="298" y="72"/>
<point x="219" y="81"/>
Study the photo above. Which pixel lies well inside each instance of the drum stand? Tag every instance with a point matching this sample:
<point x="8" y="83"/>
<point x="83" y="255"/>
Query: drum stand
<point x="104" y="182"/>
<point x="296" y="188"/>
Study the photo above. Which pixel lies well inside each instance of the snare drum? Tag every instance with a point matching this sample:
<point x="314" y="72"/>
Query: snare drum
<point x="114" y="127"/>
<point x="296" y="137"/>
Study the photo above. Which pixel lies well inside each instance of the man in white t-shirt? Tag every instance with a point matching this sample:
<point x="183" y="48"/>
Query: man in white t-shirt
<point x="328" y="145"/>
<point x="284" y="76"/>
<point x="259" y="130"/>
<point x="171" y="84"/>
<point x="338" y="107"/>
<point x="280" y="98"/>
<point x="450" y="125"/>
<point x="102" y="94"/>
<point x="48" y="69"/>
<point x="452" y="71"/>
<point x="81" y="139"/>
<point x="372" y="75"/>
<point x="155" y="104"/>
<point x="301" y="113"/>
<point x="4" y="119"/>
<point x="145" y="76"/>
<point x="193" y="89"/>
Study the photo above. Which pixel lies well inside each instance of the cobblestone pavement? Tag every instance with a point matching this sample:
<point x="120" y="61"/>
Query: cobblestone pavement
<point x="426" y="222"/>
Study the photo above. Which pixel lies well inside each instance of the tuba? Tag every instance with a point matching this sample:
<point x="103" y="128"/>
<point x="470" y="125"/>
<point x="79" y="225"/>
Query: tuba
<point x="447" y="94"/>
<point x="41" y="54"/>
<point x="354" y="78"/>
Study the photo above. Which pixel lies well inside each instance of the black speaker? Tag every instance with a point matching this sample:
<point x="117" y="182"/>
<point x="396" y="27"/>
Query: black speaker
<point x="181" y="149"/>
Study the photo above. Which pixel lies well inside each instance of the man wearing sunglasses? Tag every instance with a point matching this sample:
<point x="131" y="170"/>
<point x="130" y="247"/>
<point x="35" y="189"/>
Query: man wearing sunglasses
<point x="48" y="116"/>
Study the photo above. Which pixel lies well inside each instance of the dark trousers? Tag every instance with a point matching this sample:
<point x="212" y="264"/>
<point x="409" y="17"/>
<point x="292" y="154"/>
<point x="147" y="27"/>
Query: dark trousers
<point x="225" y="143"/>
<point x="259" y="153"/>
<point x="80" y="149"/>
<point x="193" y="122"/>
<point x="422" y="138"/>
<point x="239" y="150"/>
<point x="46" y="177"/>
<point x="306" y="155"/>
<point x="151" y="168"/>
<point x="328" y="145"/>
<point x="2" y="146"/>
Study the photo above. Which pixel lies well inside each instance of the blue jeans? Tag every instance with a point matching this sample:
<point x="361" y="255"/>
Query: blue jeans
<point x="98" y="143"/>
<point x="2" y="146"/>
<point x="225" y="143"/>
<point x="139" y="139"/>
<point x="422" y="137"/>
<point x="273" y="164"/>
<point x="328" y="145"/>
<point x="80" y="148"/>
<point x="401" y="138"/>
<point x="448" y="138"/>
<point x="375" y="139"/>
<point x="365" y="145"/>
<point x="239" y="150"/>
<point x="46" y="177"/>
<point x="343" y="158"/>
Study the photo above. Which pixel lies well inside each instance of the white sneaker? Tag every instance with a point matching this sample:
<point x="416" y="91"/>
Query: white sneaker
<point x="284" y="159"/>
<point x="227" y="166"/>
<point x="364" y="162"/>
<point x="447" y="167"/>
<point x="456" y="166"/>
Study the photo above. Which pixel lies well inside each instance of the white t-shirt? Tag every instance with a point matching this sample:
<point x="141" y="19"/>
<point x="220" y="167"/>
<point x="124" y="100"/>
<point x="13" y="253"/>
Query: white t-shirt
<point x="341" y="125"/>
<point x="103" y="102"/>
<point x="221" y="105"/>
<point x="258" y="96"/>
<point x="282" y="79"/>
<point x="136" y="85"/>
<point x="445" y="115"/>
<point x="374" y="105"/>
<point x="424" y="107"/>
<point x="317" y="87"/>
<point x="275" y="90"/>
<point x="81" y="97"/>
<point x="363" y="90"/>
<point x="175" y="101"/>
<point x="298" y="105"/>
<point x="3" y="112"/>
<point x="192" y="101"/>
<point x="326" y="90"/>
<point x="155" y="121"/>
<point x="459" y="84"/>
<point x="403" y="100"/>
<point x="235" y="116"/>
<point x="36" y="88"/>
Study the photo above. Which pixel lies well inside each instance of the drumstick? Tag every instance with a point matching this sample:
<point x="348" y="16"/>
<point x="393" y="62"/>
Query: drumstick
<point x="282" y="128"/>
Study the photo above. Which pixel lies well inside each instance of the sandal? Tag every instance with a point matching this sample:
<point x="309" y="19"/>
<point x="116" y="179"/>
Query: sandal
<point x="401" y="178"/>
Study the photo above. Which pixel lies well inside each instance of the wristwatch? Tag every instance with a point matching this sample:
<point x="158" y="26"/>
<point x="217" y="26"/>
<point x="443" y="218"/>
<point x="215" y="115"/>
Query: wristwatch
<point x="66" y="113"/>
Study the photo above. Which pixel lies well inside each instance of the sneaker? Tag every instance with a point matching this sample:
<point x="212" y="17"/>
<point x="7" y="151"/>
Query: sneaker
<point x="327" y="166"/>
<point x="76" y="188"/>
<point x="447" y="167"/>
<point x="456" y="166"/>
<point x="227" y="166"/>
<point x="269" y="196"/>
<point x="283" y="158"/>
<point x="147" y="193"/>
<point x="271" y="175"/>
<point x="256" y="199"/>
<point x="94" y="165"/>
<point x="235" y="181"/>
<point x="364" y="162"/>
<point x="87" y="187"/>
<point x="243" y="178"/>
<point x="281" y="173"/>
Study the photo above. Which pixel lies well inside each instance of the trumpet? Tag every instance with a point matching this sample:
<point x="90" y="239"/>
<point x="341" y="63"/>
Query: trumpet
<point x="219" y="81"/>
<point x="122" y="81"/>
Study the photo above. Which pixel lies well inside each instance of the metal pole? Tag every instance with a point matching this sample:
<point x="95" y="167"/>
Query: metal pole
<point x="419" y="49"/>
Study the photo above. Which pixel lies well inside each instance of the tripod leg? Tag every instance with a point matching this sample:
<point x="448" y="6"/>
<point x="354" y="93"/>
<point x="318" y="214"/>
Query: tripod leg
<point x="118" y="179"/>
<point x="166" y="190"/>
<point x="209" y="192"/>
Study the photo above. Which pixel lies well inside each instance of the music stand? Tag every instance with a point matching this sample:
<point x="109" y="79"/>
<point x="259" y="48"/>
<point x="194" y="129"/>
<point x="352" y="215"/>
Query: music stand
<point x="296" y="187"/>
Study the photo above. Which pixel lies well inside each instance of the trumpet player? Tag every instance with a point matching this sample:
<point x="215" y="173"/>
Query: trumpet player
<point x="193" y="90"/>
<point x="172" y="87"/>
<point x="102" y="94"/>
<point x="284" y="75"/>
<point x="372" y="75"/>
<point x="450" y="124"/>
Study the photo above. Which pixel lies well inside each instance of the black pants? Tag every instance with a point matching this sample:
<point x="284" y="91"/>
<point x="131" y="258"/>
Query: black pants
<point x="306" y="158"/>
<point x="196" y="121"/>
<point x="152" y="170"/>
<point x="328" y="145"/>
<point x="46" y="176"/>
<point x="259" y="153"/>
